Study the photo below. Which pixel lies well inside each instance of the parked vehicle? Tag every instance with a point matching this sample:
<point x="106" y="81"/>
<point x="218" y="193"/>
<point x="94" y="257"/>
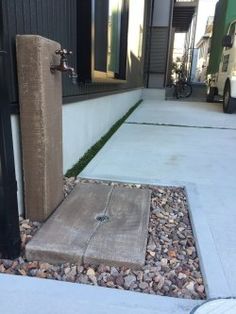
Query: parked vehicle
<point x="222" y="64"/>
<point x="182" y="88"/>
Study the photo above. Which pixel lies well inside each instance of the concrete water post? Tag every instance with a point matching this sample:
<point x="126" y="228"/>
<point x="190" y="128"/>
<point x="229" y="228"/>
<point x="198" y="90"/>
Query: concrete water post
<point x="40" y="97"/>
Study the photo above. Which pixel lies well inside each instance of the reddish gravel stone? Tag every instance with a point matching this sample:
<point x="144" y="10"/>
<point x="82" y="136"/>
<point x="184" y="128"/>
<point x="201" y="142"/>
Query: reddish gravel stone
<point x="172" y="265"/>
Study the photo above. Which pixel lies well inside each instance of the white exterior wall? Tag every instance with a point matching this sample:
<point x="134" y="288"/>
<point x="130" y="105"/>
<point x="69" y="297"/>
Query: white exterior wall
<point x="84" y="123"/>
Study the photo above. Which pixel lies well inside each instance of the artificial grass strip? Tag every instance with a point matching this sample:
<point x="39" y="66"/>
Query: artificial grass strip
<point x="91" y="153"/>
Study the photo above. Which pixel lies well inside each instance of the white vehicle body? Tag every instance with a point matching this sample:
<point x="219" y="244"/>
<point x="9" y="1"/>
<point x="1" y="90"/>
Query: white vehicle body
<point x="227" y="67"/>
<point x="223" y="83"/>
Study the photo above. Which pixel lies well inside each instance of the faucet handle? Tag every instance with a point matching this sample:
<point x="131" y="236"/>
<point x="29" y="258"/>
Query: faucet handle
<point x="63" y="52"/>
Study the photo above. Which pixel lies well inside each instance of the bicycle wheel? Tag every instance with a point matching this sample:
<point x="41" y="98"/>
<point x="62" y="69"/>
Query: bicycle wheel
<point x="185" y="90"/>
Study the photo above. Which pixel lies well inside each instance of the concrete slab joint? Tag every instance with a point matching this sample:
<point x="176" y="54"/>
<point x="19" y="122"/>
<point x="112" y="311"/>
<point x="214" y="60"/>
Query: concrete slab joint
<point x="187" y="144"/>
<point x="40" y="95"/>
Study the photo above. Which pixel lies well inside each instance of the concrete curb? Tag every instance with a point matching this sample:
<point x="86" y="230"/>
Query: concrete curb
<point x="211" y="266"/>
<point x="32" y="295"/>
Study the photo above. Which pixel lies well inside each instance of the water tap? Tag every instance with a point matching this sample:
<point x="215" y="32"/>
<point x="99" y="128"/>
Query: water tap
<point x="63" y="66"/>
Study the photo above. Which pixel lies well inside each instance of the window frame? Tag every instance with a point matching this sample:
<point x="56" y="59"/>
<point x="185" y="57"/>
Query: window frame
<point x="86" y="45"/>
<point x="231" y="34"/>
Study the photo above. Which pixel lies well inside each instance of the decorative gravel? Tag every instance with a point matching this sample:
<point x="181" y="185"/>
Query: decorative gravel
<point x="171" y="267"/>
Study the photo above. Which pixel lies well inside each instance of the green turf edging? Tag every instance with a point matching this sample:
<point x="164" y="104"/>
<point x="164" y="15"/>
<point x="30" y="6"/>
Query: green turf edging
<point x="89" y="155"/>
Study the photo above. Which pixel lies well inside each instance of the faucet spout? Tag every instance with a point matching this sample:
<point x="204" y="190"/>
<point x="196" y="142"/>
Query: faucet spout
<point x="73" y="75"/>
<point x="63" y="66"/>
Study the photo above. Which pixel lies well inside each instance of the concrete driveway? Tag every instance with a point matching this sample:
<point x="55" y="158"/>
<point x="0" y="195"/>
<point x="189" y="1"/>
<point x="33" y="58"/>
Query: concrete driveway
<point x="187" y="144"/>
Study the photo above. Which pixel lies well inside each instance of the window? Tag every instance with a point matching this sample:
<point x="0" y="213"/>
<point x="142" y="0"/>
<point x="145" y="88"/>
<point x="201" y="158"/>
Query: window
<point x="102" y="41"/>
<point x="114" y="31"/>
<point x="232" y="34"/>
<point x="232" y="30"/>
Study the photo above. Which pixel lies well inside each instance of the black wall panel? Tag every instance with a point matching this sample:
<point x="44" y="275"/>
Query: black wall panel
<point x="54" y="19"/>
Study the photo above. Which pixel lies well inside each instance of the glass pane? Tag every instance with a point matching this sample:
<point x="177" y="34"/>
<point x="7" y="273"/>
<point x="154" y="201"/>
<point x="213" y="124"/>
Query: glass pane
<point x="114" y="31"/>
<point x="232" y="34"/>
<point x="101" y="25"/>
<point x="232" y="30"/>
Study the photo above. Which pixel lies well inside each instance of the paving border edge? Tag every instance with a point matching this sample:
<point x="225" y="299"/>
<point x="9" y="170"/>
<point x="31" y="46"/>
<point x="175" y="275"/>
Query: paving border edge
<point x="214" y="278"/>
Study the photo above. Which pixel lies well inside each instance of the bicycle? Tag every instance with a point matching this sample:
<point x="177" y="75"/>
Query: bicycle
<point x="182" y="88"/>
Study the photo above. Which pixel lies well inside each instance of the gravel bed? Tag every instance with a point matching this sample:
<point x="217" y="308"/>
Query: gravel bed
<point x="171" y="267"/>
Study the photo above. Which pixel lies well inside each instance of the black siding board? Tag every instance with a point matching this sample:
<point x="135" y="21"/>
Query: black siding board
<point x="33" y="17"/>
<point x="26" y="16"/>
<point x="45" y="18"/>
<point x="40" y="25"/>
<point x="84" y="47"/>
<point x="54" y="19"/>
<point x="9" y="26"/>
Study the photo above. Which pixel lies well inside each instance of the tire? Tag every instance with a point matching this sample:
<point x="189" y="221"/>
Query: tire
<point x="211" y="94"/>
<point x="185" y="90"/>
<point x="229" y="103"/>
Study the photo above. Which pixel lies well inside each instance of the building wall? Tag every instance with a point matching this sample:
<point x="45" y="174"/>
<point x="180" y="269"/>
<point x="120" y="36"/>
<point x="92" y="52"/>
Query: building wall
<point x="194" y="65"/>
<point x="202" y="60"/>
<point x="85" y="122"/>
<point x="160" y="43"/>
<point x="156" y="80"/>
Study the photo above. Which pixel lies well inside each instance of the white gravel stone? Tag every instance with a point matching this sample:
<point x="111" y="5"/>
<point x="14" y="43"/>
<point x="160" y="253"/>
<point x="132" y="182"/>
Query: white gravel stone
<point x="129" y="280"/>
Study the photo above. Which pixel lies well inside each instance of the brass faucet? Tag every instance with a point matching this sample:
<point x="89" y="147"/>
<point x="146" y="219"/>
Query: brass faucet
<point x="63" y="66"/>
